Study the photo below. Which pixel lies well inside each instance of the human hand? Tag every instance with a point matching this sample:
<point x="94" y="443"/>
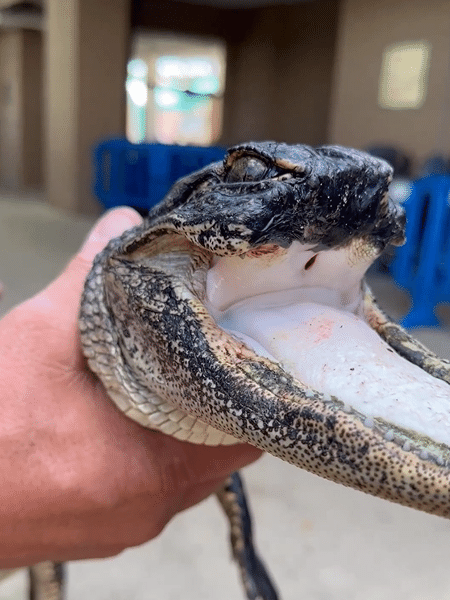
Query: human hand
<point x="79" y="479"/>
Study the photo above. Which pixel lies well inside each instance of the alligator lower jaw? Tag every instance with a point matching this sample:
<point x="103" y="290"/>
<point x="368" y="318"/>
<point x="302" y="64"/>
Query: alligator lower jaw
<point x="339" y="353"/>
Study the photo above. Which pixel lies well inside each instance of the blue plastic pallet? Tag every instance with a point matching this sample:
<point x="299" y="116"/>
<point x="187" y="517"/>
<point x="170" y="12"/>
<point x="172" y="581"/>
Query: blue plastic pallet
<point x="422" y="265"/>
<point x="140" y="175"/>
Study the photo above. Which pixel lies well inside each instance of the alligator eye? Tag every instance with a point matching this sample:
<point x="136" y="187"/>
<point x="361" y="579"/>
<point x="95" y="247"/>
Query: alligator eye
<point x="247" y="168"/>
<point x="310" y="262"/>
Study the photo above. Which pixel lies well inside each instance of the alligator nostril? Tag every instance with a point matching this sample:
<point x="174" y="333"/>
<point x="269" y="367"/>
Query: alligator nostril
<point x="310" y="262"/>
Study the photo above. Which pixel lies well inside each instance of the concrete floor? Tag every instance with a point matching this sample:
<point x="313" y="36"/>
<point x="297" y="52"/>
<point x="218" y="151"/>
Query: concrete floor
<point x="321" y="541"/>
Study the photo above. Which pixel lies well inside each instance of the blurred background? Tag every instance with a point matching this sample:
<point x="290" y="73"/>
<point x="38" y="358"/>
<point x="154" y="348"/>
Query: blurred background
<point x="104" y="102"/>
<point x="215" y="72"/>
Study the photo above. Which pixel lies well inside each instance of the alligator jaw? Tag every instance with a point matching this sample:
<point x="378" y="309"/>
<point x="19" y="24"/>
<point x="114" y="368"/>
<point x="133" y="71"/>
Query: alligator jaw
<point x="152" y="331"/>
<point x="410" y="349"/>
<point x="383" y="377"/>
<point x="221" y="382"/>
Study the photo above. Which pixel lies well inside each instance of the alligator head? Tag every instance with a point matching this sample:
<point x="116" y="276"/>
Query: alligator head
<point x="238" y="311"/>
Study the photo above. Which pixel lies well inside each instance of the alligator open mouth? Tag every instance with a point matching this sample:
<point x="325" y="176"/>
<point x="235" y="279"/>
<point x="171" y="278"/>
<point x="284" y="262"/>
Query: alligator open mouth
<point x="238" y="311"/>
<point x="306" y="311"/>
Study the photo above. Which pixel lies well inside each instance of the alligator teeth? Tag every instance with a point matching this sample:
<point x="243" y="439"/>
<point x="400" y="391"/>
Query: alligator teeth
<point x="369" y="422"/>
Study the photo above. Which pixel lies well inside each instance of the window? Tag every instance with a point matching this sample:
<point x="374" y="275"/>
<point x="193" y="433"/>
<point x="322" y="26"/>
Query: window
<point x="404" y="75"/>
<point x="175" y="90"/>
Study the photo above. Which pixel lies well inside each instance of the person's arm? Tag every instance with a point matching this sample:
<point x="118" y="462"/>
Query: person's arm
<point x="77" y="478"/>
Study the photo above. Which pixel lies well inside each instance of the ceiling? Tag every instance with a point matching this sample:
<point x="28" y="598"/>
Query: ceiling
<point x="18" y="4"/>
<point x="31" y="13"/>
<point x="21" y="6"/>
<point x="242" y="3"/>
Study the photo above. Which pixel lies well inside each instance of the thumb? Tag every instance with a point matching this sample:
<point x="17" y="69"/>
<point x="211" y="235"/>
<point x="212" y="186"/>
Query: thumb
<point x="67" y="288"/>
<point x="110" y="225"/>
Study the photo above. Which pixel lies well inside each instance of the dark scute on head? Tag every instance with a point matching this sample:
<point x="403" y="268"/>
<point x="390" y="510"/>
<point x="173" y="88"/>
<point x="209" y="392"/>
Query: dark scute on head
<point x="351" y="186"/>
<point x="333" y="194"/>
<point x="340" y="198"/>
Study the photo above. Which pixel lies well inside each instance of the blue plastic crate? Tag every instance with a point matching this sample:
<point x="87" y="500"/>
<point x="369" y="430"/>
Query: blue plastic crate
<point x="140" y="175"/>
<point x="422" y="265"/>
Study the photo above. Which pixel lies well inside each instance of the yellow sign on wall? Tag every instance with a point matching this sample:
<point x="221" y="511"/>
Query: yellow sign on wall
<point x="404" y="75"/>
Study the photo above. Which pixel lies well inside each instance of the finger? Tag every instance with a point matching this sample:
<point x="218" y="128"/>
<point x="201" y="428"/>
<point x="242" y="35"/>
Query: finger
<point x="112" y="224"/>
<point x="218" y="462"/>
<point x="191" y="472"/>
<point x="67" y="288"/>
<point x="209" y="470"/>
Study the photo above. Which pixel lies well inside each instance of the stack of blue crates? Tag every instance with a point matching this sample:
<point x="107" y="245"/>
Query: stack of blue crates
<point x="422" y="265"/>
<point x="140" y="175"/>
